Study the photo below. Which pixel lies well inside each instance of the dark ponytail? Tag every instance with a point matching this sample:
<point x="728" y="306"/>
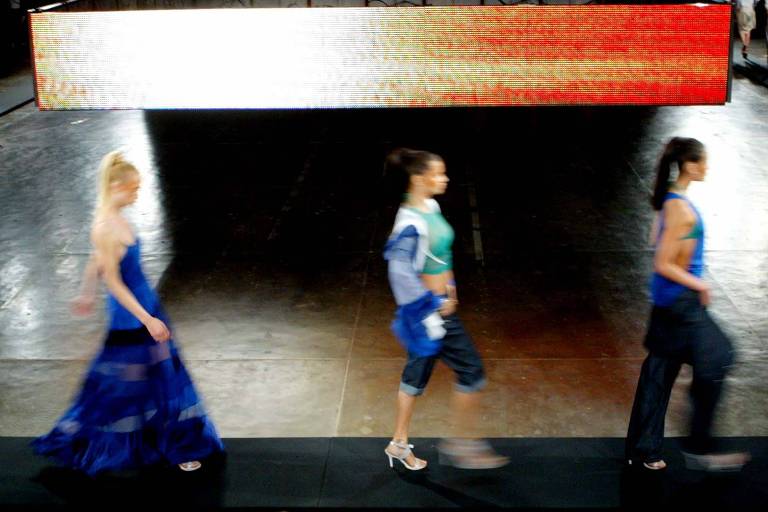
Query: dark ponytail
<point x="678" y="150"/>
<point x="402" y="163"/>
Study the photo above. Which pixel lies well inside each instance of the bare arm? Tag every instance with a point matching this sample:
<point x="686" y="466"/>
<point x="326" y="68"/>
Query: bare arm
<point x="654" y="229"/>
<point x="678" y="222"/>
<point x="107" y="255"/>
<point x="90" y="277"/>
<point x="451" y="286"/>
<point x="450" y="306"/>
<point x="83" y="303"/>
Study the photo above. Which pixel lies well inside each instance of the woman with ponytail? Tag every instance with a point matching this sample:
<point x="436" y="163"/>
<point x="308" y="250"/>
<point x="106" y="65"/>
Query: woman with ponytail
<point x="680" y="329"/>
<point x="421" y="276"/>
<point x="137" y="405"/>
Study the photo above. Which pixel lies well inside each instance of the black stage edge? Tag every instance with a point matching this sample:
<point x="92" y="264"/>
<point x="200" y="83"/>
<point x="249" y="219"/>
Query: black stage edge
<point x="752" y="70"/>
<point x="303" y="473"/>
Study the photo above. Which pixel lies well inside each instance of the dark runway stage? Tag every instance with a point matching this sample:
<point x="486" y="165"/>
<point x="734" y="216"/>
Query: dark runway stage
<point x="353" y="473"/>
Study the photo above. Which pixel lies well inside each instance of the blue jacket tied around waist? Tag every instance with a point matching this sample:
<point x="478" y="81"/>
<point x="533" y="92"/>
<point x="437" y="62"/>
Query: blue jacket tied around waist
<point x="417" y="324"/>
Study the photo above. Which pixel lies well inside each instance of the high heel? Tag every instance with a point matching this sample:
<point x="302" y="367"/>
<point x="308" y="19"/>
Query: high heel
<point x="405" y="451"/>
<point x="192" y="465"/>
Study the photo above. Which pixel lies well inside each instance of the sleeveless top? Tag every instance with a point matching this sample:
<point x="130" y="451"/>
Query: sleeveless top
<point x="134" y="279"/>
<point x="664" y="291"/>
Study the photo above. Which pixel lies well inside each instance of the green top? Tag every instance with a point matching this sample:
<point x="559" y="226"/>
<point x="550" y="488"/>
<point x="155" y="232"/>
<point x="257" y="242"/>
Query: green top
<point x="696" y="232"/>
<point x="441" y="237"/>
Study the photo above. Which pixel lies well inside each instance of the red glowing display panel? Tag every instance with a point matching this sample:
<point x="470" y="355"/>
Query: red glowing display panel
<point x="383" y="57"/>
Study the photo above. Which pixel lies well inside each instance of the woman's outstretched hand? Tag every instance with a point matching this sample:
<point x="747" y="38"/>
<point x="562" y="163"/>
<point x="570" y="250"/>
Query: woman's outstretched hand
<point x="158" y="330"/>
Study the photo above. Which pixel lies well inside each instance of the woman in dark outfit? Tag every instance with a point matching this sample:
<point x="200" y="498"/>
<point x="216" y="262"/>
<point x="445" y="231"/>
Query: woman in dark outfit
<point x="680" y="329"/>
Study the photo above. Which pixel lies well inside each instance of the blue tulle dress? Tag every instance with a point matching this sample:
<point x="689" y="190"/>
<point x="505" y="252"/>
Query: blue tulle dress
<point x="137" y="406"/>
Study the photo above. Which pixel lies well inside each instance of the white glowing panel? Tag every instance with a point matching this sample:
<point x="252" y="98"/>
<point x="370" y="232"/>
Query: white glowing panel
<point x="373" y="57"/>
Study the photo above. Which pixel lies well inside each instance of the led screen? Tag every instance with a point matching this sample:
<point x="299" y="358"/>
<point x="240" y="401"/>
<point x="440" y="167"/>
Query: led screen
<point x="382" y="57"/>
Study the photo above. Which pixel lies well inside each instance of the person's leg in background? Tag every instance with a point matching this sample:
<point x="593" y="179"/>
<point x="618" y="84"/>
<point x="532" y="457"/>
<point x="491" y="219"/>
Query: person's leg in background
<point x="745" y="17"/>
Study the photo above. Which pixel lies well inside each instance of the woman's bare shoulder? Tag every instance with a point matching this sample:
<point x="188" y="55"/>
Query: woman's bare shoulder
<point x="677" y="211"/>
<point x="105" y="230"/>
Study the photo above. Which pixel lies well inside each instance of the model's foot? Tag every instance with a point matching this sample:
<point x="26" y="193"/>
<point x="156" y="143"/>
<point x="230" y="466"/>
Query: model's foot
<point x="717" y="462"/>
<point x="192" y="465"/>
<point x="401" y="450"/>
<point x="744" y="51"/>
<point x="470" y="454"/>
<point x="656" y="465"/>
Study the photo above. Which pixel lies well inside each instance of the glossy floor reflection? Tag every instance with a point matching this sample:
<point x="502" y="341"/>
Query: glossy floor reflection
<point x="263" y="232"/>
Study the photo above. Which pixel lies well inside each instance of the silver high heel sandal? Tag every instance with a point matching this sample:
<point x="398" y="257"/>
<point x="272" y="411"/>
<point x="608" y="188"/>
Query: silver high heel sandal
<point x="405" y="451"/>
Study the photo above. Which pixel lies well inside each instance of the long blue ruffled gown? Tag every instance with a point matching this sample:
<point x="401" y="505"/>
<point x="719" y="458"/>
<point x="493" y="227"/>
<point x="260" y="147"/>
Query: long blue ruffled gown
<point x="137" y="406"/>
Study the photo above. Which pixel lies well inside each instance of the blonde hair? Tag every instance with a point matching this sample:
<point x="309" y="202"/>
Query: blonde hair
<point x="114" y="168"/>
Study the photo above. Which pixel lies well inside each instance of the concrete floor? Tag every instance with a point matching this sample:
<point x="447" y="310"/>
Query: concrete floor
<point x="263" y="231"/>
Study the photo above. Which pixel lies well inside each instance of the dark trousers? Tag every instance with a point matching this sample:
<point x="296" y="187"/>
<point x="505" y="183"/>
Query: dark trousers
<point x="458" y="352"/>
<point x="683" y="333"/>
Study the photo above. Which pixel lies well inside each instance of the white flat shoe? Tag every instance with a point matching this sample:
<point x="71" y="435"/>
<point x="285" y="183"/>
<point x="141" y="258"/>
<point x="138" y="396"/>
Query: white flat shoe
<point x="404" y="450"/>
